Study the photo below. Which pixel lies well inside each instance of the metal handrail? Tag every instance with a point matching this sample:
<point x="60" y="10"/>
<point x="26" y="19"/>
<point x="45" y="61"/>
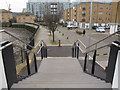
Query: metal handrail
<point x="81" y="43"/>
<point x="98" y="48"/>
<point x="15" y="37"/>
<point x="40" y="42"/>
<point x="102" y="39"/>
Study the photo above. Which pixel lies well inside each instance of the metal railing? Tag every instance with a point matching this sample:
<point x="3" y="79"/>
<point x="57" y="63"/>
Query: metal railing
<point x="3" y="31"/>
<point x="95" y="56"/>
<point x="25" y="59"/>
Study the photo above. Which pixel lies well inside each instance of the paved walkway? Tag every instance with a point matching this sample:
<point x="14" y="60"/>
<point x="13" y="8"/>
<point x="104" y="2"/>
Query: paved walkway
<point x="55" y="51"/>
<point x="43" y="34"/>
<point x="72" y="37"/>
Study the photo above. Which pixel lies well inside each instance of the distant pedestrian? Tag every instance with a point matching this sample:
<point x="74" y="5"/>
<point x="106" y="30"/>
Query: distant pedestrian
<point x="84" y="32"/>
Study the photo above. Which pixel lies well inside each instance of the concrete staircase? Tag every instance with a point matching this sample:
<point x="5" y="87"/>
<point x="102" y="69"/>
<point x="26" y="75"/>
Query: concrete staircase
<point x="61" y="73"/>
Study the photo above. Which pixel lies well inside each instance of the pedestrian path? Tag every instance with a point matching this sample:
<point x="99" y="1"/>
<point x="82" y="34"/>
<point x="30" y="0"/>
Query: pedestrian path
<point x="56" y="51"/>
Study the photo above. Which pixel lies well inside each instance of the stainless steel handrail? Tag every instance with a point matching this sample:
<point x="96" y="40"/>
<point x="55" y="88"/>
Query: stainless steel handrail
<point x="97" y="48"/>
<point x="15" y="37"/>
<point x="40" y="42"/>
<point x="102" y="39"/>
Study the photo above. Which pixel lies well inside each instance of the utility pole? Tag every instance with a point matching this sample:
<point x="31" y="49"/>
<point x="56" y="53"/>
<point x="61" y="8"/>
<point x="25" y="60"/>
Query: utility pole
<point x="90" y="27"/>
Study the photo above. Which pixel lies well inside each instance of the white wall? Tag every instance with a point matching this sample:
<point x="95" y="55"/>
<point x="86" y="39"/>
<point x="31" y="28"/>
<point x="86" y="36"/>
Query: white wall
<point x="116" y="79"/>
<point x="113" y="28"/>
<point x="2" y="73"/>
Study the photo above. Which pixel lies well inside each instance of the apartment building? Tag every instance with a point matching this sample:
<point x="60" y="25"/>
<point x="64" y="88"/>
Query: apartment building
<point x="115" y="17"/>
<point x="101" y="13"/>
<point x="5" y="15"/>
<point x="25" y="17"/>
<point x="39" y="8"/>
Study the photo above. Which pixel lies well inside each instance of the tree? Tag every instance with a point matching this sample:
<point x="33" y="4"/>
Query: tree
<point x="52" y="20"/>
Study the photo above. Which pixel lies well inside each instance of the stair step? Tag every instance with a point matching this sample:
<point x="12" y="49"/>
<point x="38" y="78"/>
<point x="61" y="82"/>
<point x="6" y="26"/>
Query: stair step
<point x="61" y="73"/>
<point x="62" y="85"/>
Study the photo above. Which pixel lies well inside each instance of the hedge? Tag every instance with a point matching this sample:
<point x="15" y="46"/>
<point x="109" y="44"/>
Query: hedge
<point x="5" y="24"/>
<point x="29" y="28"/>
<point x="43" y="24"/>
<point x="79" y="32"/>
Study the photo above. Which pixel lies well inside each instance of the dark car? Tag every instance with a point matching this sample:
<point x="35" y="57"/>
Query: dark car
<point x="94" y="27"/>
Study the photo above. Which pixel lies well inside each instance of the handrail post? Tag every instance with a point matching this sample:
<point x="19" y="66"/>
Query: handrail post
<point x="46" y="52"/>
<point x="77" y="52"/>
<point x="85" y="62"/>
<point x="93" y="64"/>
<point x="28" y="66"/>
<point x="42" y="53"/>
<point x="35" y="62"/>
<point x="21" y="51"/>
<point x="73" y="52"/>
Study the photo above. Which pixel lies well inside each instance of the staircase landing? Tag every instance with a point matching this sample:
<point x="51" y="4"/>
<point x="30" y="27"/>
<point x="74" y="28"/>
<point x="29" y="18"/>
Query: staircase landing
<point x="61" y="73"/>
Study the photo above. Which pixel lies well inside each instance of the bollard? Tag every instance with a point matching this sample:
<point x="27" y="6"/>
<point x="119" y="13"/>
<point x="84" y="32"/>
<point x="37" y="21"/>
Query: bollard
<point x="59" y="43"/>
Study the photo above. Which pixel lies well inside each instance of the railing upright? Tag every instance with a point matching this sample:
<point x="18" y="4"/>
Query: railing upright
<point x="93" y="64"/>
<point x="85" y="63"/>
<point x="28" y="65"/>
<point x="35" y="62"/>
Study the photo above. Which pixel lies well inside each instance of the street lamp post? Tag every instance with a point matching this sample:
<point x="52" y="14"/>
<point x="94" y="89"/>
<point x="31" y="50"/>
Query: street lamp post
<point x="90" y="27"/>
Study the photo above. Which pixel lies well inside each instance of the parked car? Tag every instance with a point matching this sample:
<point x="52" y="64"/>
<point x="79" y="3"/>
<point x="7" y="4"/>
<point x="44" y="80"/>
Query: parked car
<point x="107" y="27"/>
<point x="100" y="29"/>
<point x="94" y="27"/>
<point x="72" y="26"/>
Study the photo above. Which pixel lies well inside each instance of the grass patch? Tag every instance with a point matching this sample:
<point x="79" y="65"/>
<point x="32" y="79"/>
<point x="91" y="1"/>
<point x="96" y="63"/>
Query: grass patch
<point x="53" y="43"/>
<point x="79" y="32"/>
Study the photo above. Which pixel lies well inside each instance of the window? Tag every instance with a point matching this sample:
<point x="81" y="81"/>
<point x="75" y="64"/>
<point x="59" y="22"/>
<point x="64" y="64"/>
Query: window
<point x="101" y="7"/>
<point x="100" y="18"/>
<point x="83" y="13"/>
<point x="83" y="19"/>
<point x="83" y="7"/>
<point x="27" y="15"/>
<point x="94" y="6"/>
<point x="94" y="12"/>
<point x="93" y="18"/>
<point x="107" y="7"/>
<point x="24" y="18"/>
<point x="106" y="13"/>
<point x="100" y="13"/>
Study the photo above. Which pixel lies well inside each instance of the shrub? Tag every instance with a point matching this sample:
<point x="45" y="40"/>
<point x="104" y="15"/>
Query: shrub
<point x="43" y="24"/>
<point x="79" y="32"/>
<point x="5" y="24"/>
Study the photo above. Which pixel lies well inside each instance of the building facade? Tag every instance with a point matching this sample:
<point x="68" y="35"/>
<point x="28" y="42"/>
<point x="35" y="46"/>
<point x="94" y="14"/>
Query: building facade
<point x="101" y="13"/>
<point x="115" y="17"/>
<point x="39" y="8"/>
<point x="5" y="15"/>
<point x="25" y="17"/>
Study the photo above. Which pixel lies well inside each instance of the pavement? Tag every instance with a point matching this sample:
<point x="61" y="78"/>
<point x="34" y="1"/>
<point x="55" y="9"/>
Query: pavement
<point x="56" y="51"/>
<point x="68" y="37"/>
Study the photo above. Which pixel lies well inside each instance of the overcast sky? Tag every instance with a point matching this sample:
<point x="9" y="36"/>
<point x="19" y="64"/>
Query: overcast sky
<point x="18" y="5"/>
